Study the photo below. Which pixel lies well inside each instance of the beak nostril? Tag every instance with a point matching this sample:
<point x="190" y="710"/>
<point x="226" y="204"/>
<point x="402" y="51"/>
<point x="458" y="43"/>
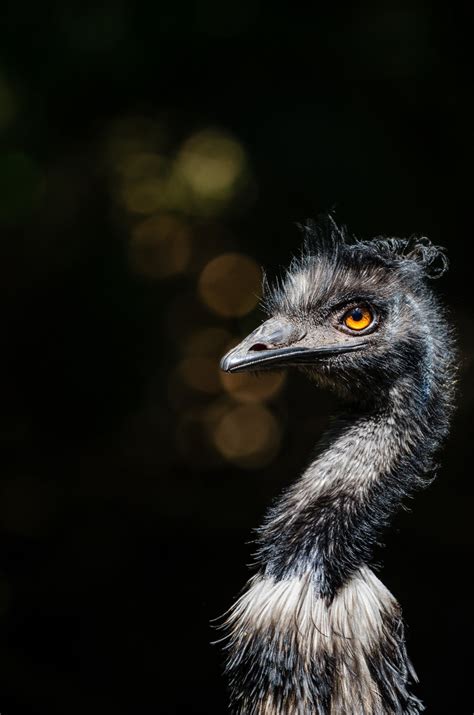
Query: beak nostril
<point x="258" y="346"/>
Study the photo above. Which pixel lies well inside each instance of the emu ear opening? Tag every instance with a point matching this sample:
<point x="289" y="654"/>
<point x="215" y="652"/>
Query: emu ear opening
<point x="431" y="258"/>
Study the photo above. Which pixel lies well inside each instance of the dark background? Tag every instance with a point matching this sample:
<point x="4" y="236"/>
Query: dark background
<point x="126" y="498"/>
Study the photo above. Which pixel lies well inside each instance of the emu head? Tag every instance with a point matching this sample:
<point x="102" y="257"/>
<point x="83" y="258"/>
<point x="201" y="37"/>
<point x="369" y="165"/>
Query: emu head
<point x="355" y="315"/>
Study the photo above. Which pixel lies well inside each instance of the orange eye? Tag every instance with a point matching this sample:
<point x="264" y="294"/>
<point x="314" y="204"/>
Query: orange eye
<point x="358" y="318"/>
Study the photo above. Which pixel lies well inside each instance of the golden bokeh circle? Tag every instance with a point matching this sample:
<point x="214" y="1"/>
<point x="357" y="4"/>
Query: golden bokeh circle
<point x="230" y="285"/>
<point x="211" y="162"/>
<point x="245" y="387"/>
<point x="248" y="434"/>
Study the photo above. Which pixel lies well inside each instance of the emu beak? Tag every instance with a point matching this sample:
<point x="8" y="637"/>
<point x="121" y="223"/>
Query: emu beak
<point x="274" y="345"/>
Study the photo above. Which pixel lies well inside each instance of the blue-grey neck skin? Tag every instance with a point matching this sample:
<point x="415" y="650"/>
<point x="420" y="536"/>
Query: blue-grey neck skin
<point x="316" y="631"/>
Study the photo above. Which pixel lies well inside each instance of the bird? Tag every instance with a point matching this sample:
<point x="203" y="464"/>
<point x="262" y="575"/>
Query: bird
<point x="315" y="631"/>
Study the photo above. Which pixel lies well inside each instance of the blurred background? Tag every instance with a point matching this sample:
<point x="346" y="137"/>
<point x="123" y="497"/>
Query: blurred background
<point x="153" y="157"/>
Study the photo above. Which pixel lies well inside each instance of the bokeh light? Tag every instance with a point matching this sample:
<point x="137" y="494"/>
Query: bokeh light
<point x="213" y="164"/>
<point x="204" y="175"/>
<point x="248" y="434"/>
<point x="178" y="191"/>
<point x="160" y="246"/>
<point x="230" y="284"/>
<point x="156" y="188"/>
<point x="245" y="387"/>
<point x="133" y="135"/>
<point x="135" y="166"/>
<point x="145" y="182"/>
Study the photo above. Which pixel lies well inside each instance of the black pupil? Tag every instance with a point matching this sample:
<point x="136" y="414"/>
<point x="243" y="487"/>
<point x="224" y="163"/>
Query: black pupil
<point x="357" y="315"/>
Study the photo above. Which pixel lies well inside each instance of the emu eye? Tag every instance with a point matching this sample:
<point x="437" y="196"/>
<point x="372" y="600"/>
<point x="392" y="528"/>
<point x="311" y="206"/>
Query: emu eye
<point x="358" y="318"/>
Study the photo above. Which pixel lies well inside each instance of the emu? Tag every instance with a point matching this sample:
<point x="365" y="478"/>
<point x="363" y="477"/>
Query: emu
<point x="315" y="630"/>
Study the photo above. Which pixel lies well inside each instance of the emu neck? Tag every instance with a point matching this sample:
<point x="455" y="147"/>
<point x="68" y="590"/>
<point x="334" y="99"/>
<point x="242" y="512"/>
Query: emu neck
<point x="316" y="631"/>
<point x="328" y="522"/>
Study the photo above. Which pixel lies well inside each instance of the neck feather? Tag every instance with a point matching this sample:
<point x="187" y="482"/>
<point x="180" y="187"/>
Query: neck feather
<point x="329" y="521"/>
<point x="316" y="631"/>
